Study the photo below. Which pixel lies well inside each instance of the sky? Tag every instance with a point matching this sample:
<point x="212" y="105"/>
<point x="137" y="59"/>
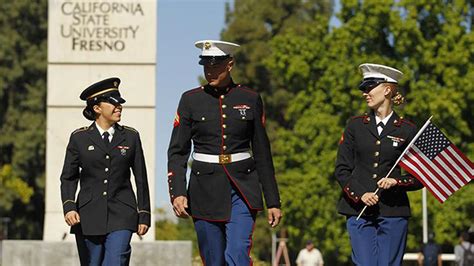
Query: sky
<point x="180" y="24"/>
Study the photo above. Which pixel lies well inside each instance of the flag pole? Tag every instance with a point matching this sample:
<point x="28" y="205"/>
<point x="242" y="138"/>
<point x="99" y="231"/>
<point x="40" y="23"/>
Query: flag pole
<point x="425" y="216"/>
<point x="398" y="160"/>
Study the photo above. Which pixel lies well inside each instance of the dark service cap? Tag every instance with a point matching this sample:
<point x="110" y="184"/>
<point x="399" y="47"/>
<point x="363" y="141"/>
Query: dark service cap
<point x="103" y="91"/>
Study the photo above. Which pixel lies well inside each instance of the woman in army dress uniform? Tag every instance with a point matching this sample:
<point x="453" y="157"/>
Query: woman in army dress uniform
<point x="100" y="156"/>
<point x="369" y="147"/>
<point x="224" y="121"/>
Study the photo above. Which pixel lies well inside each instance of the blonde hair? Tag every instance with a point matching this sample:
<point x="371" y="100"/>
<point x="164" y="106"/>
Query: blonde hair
<point x="396" y="97"/>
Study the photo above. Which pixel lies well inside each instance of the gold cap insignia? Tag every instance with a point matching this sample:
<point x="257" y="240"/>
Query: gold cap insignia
<point x="115" y="83"/>
<point x="207" y="45"/>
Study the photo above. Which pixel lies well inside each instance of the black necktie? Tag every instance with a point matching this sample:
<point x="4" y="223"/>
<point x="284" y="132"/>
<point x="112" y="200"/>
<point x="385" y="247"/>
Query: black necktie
<point x="105" y="138"/>
<point x="382" y="125"/>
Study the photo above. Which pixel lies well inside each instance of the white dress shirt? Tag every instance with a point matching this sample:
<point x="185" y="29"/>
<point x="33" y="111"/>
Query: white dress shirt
<point x="111" y="131"/>
<point x="384" y="121"/>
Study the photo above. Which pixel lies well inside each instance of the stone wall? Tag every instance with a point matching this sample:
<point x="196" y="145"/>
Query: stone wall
<point x="42" y="253"/>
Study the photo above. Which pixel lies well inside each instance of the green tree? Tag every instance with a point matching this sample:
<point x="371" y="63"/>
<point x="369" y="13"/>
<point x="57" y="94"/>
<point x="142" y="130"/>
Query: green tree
<point x="254" y="23"/>
<point x="164" y="228"/>
<point x="23" y="34"/>
<point x="12" y="188"/>
<point x="430" y="41"/>
<point x="182" y="229"/>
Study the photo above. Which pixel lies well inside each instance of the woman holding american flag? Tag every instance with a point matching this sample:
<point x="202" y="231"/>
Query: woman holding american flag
<point x="370" y="146"/>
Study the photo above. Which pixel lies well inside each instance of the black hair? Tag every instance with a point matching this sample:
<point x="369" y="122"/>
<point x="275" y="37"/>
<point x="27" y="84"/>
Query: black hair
<point x="89" y="113"/>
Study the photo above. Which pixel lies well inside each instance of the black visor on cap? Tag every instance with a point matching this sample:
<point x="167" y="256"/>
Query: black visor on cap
<point x="370" y="83"/>
<point x="115" y="100"/>
<point x="212" y="60"/>
<point x="113" y="97"/>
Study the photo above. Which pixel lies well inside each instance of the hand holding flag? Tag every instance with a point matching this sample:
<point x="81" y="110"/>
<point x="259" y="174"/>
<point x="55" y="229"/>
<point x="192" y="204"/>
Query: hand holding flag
<point x="435" y="162"/>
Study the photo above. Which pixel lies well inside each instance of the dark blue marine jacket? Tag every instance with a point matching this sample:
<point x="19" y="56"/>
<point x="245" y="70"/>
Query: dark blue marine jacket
<point x="221" y="121"/>
<point x="364" y="157"/>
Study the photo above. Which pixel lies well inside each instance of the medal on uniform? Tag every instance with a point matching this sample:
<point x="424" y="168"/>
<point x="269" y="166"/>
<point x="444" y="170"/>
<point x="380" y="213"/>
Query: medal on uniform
<point x="123" y="150"/>
<point x="242" y="109"/>
<point x="90" y="148"/>
<point x="395" y="140"/>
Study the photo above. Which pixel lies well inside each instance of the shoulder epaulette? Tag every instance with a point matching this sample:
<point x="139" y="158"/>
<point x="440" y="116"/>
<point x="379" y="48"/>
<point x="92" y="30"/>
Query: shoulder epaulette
<point x="357" y="117"/>
<point x="408" y="122"/>
<point x="80" y="130"/>
<point x="246" y="89"/>
<point x="365" y="118"/>
<point x="401" y="121"/>
<point x="198" y="89"/>
<point x="130" y="128"/>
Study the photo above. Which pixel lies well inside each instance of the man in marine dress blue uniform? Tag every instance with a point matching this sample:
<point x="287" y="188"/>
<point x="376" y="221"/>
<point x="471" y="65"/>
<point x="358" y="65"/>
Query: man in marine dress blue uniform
<point x="232" y="161"/>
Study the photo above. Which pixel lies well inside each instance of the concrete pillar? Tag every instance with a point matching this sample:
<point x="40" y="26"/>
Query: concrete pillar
<point x="89" y="41"/>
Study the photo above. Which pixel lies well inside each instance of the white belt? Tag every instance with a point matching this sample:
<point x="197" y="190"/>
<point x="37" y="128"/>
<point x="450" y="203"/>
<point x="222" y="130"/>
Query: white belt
<point x="222" y="158"/>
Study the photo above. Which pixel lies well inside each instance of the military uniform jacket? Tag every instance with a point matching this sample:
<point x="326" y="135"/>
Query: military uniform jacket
<point x="364" y="157"/>
<point x="106" y="201"/>
<point x="221" y="121"/>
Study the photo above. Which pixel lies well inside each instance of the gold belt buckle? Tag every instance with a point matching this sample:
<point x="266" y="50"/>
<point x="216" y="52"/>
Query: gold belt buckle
<point x="225" y="158"/>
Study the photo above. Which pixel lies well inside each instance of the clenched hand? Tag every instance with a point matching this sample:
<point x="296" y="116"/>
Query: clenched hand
<point x="274" y="216"/>
<point x="72" y="218"/>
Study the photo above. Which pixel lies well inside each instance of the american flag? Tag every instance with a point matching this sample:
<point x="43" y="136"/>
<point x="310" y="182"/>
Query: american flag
<point x="437" y="163"/>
